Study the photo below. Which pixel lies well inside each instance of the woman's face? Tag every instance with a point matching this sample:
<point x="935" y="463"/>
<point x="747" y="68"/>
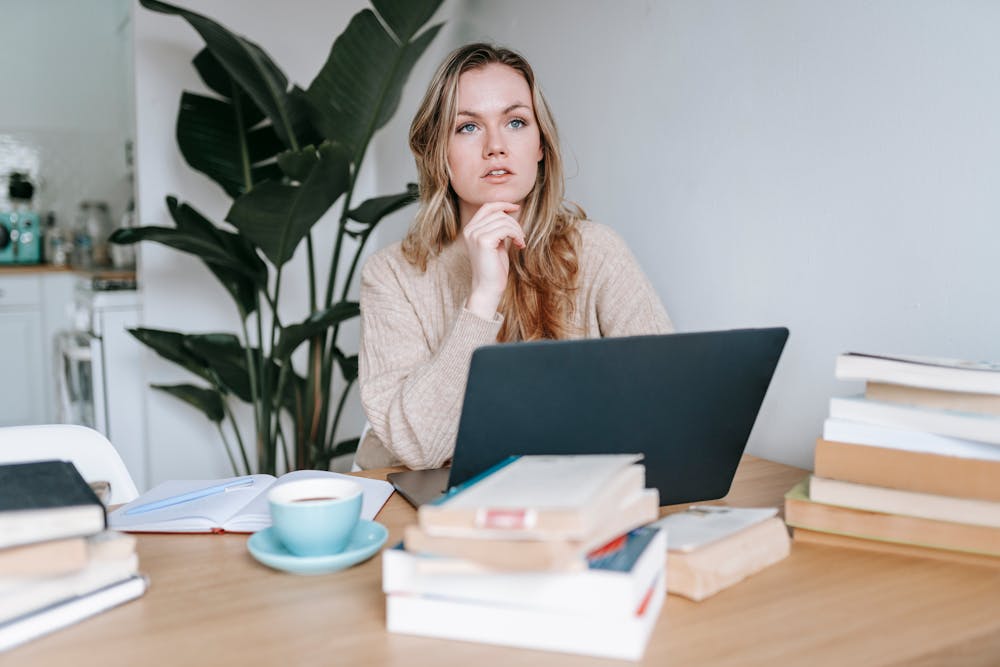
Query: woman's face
<point x="495" y="146"/>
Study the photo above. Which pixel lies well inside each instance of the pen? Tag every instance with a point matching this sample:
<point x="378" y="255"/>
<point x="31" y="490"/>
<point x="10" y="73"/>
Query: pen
<point x="191" y="495"/>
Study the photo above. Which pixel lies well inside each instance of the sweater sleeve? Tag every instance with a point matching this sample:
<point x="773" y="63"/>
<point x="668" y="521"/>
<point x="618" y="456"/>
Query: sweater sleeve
<point x="412" y="394"/>
<point x="627" y="304"/>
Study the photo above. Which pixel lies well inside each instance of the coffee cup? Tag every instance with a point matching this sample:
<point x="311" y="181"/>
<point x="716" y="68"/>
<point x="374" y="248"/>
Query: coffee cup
<point x="315" y="517"/>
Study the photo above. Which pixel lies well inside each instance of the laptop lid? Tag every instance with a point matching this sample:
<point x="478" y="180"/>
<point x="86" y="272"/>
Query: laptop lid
<point x="686" y="401"/>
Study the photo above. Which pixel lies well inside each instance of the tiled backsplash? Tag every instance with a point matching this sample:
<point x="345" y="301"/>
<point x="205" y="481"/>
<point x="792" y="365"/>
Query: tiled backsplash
<point x="67" y="167"/>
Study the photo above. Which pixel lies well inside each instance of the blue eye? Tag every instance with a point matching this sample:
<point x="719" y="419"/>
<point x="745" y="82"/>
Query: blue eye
<point x="517" y="123"/>
<point x="468" y="128"/>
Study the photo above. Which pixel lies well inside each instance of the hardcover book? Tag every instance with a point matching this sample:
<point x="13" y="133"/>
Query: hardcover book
<point x="46" y="500"/>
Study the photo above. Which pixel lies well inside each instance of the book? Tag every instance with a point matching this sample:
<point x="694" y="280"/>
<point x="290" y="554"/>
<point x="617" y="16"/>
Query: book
<point x="806" y="536"/>
<point x="21" y="595"/>
<point x="907" y="503"/>
<point x="908" y="470"/>
<point x="962" y="401"/>
<point x="46" y="500"/>
<point x="537" y="497"/>
<point x="964" y="425"/>
<point x="617" y="577"/>
<point x="980" y="377"/>
<point x="802" y="512"/>
<point x="839" y="430"/>
<point x="239" y="509"/>
<point x="534" y="554"/>
<point x="19" y="630"/>
<point x="700" y="525"/>
<point x="53" y="557"/>
<point x="607" y="635"/>
<point x="701" y="573"/>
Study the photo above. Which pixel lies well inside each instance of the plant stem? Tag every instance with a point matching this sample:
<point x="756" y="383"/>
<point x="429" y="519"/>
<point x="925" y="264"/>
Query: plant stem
<point x="239" y="438"/>
<point x="228" y="448"/>
<point x="252" y="370"/>
<point x="337" y="414"/>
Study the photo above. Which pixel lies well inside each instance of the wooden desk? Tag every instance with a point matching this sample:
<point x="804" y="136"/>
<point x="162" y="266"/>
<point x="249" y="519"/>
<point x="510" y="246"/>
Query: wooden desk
<point x="210" y="603"/>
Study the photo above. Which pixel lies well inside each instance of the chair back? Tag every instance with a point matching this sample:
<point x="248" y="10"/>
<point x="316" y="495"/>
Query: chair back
<point x="92" y="454"/>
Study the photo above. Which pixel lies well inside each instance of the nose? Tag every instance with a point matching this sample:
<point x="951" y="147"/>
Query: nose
<point x="495" y="144"/>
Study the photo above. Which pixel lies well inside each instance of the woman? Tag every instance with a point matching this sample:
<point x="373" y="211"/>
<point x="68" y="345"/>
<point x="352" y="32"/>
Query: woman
<point x="494" y="255"/>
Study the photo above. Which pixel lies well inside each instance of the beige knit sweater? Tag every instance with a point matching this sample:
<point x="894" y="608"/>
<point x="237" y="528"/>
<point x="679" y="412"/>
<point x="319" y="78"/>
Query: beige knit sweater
<point x="417" y="339"/>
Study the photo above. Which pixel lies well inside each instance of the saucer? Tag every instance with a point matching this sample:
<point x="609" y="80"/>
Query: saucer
<point x="365" y="541"/>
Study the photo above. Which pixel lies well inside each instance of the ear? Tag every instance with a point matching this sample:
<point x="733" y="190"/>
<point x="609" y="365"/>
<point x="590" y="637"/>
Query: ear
<point x="541" y="153"/>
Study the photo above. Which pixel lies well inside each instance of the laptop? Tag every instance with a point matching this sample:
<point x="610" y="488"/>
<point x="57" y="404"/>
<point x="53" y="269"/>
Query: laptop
<point x="686" y="401"/>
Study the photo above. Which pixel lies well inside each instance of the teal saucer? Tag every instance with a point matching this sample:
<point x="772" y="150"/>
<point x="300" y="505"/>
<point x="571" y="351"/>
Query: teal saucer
<point x="366" y="540"/>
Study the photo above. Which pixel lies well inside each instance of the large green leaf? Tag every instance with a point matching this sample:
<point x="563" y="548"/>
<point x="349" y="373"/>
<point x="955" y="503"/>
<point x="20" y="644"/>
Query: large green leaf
<point x="294" y="335"/>
<point x="405" y="17"/>
<point x="371" y="211"/>
<point x="215" y="140"/>
<point x="245" y="62"/>
<point x="209" y="401"/>
<point x="277" y="216"/>
<point x="358" y="89"/>
<point x="227" y="358"/>
<point x="170" y="346"/>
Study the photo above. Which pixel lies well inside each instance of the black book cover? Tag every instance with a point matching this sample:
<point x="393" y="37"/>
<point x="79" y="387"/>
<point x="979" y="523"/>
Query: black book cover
<point x="43" y="485"/>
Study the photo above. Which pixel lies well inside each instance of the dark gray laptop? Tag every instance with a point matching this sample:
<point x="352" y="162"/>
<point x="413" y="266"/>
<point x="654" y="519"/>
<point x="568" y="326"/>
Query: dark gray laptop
<point x="686" y="401"/>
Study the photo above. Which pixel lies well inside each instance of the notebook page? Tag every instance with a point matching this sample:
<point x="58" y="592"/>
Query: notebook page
<point x="200" y="515"/>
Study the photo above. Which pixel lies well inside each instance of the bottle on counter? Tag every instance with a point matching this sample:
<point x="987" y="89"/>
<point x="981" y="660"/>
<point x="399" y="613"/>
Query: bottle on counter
<point x="123" y="256"/>
<point x="83" y="244"/>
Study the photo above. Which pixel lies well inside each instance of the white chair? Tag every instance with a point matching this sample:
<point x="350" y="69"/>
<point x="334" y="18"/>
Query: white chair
<point x="92" y="454"/>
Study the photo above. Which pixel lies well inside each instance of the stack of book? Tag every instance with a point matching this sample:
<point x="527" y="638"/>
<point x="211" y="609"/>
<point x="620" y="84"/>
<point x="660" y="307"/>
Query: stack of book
<point x="910" y="467"/>
<point x="543" y="552"/>
<point x="58" y="563"/>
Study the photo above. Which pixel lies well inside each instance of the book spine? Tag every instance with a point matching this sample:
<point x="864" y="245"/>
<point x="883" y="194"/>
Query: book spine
<point x="928" y="376"/>
<point x="907" y="503"/>
<point x="909" y="471"/>
<point x="801" y="512"/>
<point x="839" y="430"/>
<point x="806" y="536"/>
<point x="622" y="636"/>
<point x="50" y="619"/>
<point x="944" y="422"/>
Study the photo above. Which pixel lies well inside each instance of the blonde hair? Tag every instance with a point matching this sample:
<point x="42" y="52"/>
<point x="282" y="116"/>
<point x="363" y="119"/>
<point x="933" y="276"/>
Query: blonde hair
<point x="538" y="301"/>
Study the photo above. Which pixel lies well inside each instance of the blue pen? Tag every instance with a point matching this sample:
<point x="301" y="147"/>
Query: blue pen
<point x="191" y="495"/>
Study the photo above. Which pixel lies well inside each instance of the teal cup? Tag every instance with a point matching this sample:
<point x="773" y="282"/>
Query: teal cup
<point x="315" y="517"/>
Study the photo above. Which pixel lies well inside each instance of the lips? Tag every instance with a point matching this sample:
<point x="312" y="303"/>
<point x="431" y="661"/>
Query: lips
<point x="497" y="172"/>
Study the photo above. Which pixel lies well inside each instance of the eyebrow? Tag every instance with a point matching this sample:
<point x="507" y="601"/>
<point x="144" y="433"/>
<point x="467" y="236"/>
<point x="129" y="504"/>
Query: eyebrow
<point x="512" y="107"/>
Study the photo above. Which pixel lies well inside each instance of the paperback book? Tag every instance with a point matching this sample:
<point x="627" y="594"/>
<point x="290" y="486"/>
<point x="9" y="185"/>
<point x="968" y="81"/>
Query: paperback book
<point x="617" y="576"/>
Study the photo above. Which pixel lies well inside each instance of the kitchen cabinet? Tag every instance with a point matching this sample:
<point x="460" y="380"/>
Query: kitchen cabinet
<point x="34" y="305"/>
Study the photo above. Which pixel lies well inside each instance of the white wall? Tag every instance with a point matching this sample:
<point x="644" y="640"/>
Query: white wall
<point x="828" y="166"/>
<point x="64" y="118"/>
<point x="179" y="293"/>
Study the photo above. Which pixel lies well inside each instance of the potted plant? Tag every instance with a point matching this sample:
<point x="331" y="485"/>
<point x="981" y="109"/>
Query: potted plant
<point x="285" y="155"/>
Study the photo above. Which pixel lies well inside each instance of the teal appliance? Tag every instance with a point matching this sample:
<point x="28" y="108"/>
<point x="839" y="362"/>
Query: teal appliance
<point x="20" y="227"/>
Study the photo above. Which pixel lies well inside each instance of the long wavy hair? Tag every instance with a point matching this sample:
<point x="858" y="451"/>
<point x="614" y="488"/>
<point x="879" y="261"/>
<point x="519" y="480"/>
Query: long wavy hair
<point x="538" y="300"/>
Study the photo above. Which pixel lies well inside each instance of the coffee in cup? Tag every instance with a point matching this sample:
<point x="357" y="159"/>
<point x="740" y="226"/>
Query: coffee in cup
<point x="315" y="517"/>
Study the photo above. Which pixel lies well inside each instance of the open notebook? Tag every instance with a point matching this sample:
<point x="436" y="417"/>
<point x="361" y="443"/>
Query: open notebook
<point x="241" y="509"/>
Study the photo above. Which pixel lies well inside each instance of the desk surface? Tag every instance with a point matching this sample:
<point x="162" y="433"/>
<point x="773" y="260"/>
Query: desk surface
<point x="210" y="603"/>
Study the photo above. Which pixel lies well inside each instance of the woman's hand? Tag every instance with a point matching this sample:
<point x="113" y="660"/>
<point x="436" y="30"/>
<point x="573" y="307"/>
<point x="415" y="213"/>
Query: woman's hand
<point x="487" y="236"/>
